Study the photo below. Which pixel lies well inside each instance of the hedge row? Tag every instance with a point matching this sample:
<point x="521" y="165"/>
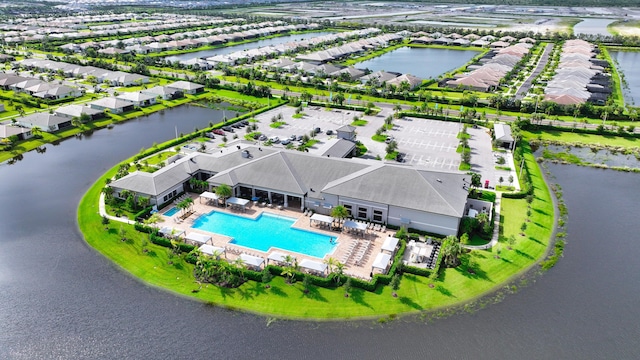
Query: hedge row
<point x="326" y="282"/>
<point x="144" y="213"/>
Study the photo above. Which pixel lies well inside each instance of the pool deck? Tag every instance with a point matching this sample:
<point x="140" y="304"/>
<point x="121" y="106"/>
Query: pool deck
<point x="355" y="251"/>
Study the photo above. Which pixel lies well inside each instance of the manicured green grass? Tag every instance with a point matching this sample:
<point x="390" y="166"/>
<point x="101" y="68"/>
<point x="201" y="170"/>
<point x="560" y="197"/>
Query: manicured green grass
<point x="586" y="139"/>
<point x="454" y="286"/>
<point x="159" y="157"/>
<point x="277" y="124"/>
<point x="298" y="115"/>
<point x="359" y="122"/>
<point x="379" y="138"/>
<point x="464" y="166"/>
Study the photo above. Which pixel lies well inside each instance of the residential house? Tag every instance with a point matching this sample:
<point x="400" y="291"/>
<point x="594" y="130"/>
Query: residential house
<point x="137" y="98"/>
<point x="45" y="121"/>
<point x="114" y="105"/>
<point x="187" y="87"/>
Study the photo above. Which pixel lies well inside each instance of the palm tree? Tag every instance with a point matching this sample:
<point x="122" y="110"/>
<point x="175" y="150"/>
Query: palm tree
<point x="36" y="130"/>
<point x="339" y="212"/>
<point x="451" y="250"/>
<point x="331" y="262"/>
<point x="224" y="191"/>
<point x="339" y="271"/>
<point x="153" y="220"/>
<point x="108" y="192"/>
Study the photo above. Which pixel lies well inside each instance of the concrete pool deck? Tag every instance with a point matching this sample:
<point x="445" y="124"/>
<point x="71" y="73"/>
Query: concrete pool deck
<point x="356" y="252"/>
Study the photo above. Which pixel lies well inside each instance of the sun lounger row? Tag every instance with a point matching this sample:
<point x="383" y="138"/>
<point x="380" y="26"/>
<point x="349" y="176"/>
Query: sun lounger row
<point x="347" y="255"/>
<point x="308" y="212"/>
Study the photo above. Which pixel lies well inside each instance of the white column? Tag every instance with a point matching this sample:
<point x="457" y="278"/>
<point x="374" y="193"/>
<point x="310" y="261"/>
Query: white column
<point x="286" y="202"/>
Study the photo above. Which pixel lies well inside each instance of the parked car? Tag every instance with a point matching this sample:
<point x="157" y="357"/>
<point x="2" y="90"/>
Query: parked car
<point x="236" y="125"/>
<point x="256" y="136"/>
<point x="209" y="135"/>
<point x="244" y="122"/>
<point x="286" y="142"/>
<point x="293" y="137"/>
<point x="274" y="139"/>
<point x="299" y="138"/>
<point x="400" y="157"/>
<point x="218" y="132"/>
<point x="329" y="132"/>
<point x="227" y="128"/>
<point x="317" y="130"/>
<point x="389" y="139"/>
<point x="263" y="137"/>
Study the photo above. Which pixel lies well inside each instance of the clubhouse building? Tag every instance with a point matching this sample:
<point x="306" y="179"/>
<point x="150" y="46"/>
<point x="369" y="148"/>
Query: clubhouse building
<point x="370" y="190"/>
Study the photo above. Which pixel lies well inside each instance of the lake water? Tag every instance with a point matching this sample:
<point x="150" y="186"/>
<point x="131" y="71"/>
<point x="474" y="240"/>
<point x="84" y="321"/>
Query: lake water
<point x="604" y="156"/>
<point x="246" y="46"/>
<point x="60" y="299"/>
<point x="628" y="65"/>
<point x="421" y="62"/>
<point x="591" y="26"/>
<point x="452" y="23"/>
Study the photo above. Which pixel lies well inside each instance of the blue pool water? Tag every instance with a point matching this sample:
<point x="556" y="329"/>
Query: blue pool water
<point x="174" y="210"/>
<point x="265" y="232"/>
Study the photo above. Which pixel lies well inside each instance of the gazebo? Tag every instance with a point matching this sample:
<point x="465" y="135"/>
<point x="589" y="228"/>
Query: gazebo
<point x="209" y="196"/>
<point x="390" y="244"/>
<point x="251" y="261"/>
<point x="321" y="219"/>
<point x="171" y="232"/>
<point x="198" y="238"/>
<point x="313" y="266"/>
<point x="381" y="262"/>
<point x="238" y="203"/>
<point x="211" y="250"/>
<point x="278" y="257"/>
<point x="357" y="227"/>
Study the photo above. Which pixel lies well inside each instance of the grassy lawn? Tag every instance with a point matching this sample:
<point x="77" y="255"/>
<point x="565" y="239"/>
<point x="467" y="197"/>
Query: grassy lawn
<point x="359" y="122"/>
<point x="454" y="286"/>
<point x="585" y="139"/>
<point x="159" y="157"/>
<point x="277" y="124"/>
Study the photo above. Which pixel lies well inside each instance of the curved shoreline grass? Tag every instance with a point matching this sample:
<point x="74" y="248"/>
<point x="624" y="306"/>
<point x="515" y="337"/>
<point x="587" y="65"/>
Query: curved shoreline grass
<point x="454" y="286"/>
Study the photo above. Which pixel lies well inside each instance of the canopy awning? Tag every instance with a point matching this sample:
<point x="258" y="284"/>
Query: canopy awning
<point x="278" y="256"/>
<point x="390" y="244"/>
<point x="313" y="265"/>
<point x="210" y="250"/>
<point x="382" y="261"/>
<point x="237" y="201"/>
<point x="197" y="237"/>
<point x="355" y="225"/>
<point x="209" y="195"/>
<point x="251" y="260"/>
<point x="321" y="218"/>
<point x="171" y="231"/>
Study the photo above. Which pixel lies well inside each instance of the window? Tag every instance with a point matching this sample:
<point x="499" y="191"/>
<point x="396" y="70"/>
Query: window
<point x="362" y="212"/>
<point x="349" y="209"/>
<point x="377" y="215"/>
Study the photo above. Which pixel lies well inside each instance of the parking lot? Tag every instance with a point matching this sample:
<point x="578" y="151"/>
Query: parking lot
<point x="425" y="143"/>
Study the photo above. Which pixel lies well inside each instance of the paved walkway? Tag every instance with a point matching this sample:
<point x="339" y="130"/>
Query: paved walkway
<point x="103" y="212"/>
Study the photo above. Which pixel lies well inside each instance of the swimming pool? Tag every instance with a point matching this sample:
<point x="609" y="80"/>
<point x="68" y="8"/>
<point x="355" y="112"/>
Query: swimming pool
<point x="174" y="210"/>
<point x="265" y="232"/>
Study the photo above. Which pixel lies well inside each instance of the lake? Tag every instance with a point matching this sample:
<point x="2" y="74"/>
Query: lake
<point x="246" y="46"/>
<point x="421" y="62"/>
<point x="628" y="65"/>
<point x="61" y="299"/>
<point x="591" y="26"/>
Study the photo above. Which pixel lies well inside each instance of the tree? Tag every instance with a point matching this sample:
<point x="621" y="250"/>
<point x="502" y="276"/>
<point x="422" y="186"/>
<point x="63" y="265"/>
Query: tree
<point x="108" y="192"/>
<point x="397" y="108"/>
<point x="288" y="271"/>
<point x="391" y="147"/>
<point x="476" y="180"/>
<point x="266" y="277"/>
<point x="510" y="179"/>
<point x="339" y="212"/>
<point x="306" y="283"/>
<point x="224" y="191"/>
<point x="331" y="262"/>
<point x="105" y="222"/>
<point x="501" y="180"/>
<point x="339" y="272"/>
<point x="395" y="285"/>
<point x="451" y="251"/>
<point x="347" y="287"/>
